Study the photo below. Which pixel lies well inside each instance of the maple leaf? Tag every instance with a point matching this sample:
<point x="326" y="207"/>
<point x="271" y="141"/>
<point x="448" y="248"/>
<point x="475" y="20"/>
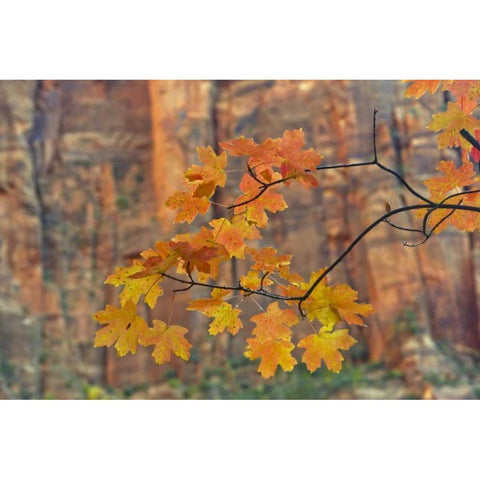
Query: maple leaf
<point x="272" y="353"/>
<point x="272" y="343"/>
<point x="123" y="328"/>
<point x="343" y="299"/>
<point x="262" y="157"/>
<point x="188" y="205"/>
<point x="225" y="316"/>
<point x="200" y="258"/>
<point x="167" y="339"/>
<point x="274" y="324"/>
<point x="324" y="346"/>
<point x="248" y="229"/>
<point x="134" y="287"/>
<point x="266" y="259"/>
<point x="231" y="236"/>
<point x="162" y="250"/>
<point x="296" y="161"/>
<point x="253" y="281"/>
<point x="157" y="262"/>
<point x="453" y="178"/>
<point x="419" y="87"/>
<point x="451" y="122"/>
<point x="205" y="179"/>
<point x="255" y="209"/>
<point x="201" y="251"/>
<point x="465" y="91"/>
<point x="285" y="152"/>
<point x="328" y="304"/>
<point x="463" y="220"/>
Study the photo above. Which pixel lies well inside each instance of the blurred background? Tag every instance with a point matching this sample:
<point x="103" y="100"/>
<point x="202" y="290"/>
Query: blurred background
<point x="85" y="167"/>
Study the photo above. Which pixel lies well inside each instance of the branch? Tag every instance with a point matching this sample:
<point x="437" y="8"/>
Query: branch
<point x="369" y="229"/>
<point x="469" y="138"/>
<point x="428" y="235"/>
<point x="191" y="282"/>
<point x="264" y="186"/>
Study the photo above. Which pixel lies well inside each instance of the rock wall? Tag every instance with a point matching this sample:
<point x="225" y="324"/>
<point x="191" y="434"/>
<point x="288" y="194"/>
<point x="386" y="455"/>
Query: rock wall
<point x="85" y="167"/>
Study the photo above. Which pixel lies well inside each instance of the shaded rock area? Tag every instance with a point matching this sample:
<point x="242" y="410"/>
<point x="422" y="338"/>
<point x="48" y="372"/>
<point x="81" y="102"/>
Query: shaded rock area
<point x="85" y="167"/>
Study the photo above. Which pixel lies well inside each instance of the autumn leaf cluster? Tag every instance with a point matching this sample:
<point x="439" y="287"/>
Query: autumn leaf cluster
<point x="455" y="125"/>
<point x="194" y="259"/>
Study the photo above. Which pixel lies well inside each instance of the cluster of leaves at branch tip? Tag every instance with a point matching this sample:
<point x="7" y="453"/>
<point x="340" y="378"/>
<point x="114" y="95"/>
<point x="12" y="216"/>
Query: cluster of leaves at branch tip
<point x="193" y="259"/>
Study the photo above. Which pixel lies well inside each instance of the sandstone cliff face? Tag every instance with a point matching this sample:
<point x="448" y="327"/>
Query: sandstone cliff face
<point x="85" y="167"/>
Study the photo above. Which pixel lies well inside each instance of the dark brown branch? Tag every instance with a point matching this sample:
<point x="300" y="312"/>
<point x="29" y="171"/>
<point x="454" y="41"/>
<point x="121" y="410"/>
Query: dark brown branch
<point x="428" y="235"/>
<point x="405" y="229"/>
<point x="264" y="186"/>
<point x="429" y="205"/>
<point x="262" y="292"/>
<point x="470" y="138"/>
<point x="364" y="233"/>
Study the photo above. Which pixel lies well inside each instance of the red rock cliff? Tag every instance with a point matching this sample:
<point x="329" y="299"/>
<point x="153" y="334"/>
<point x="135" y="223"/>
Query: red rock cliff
<point x="85" y="167"/>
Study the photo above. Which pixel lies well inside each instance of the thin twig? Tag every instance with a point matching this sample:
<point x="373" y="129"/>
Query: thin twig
<point x="405" y="229"/>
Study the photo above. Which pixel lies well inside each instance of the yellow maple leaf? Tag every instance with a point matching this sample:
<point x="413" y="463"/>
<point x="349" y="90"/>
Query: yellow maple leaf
<point x="343" y="299"/>
<point x="123" y="328"/>
<point x="324" y="346"/>
<point x="134" y="288"/>
<point x="224" y="315"/>
<point x="167" y="339"/>
<point x="452" y="122"/>
<point x="328" y="304"/>
<point x="253" y="280"/>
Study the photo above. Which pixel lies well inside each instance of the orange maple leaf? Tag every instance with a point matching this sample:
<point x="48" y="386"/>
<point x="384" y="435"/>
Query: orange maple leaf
<point x="123" y="327"/>
<point x="451" y="122"/>
<point x="463" y="220"/>
<point x="205" y="179"/>
<point x="266" y="259"/>
<point x="255" y="209"/>
<point x="231" y="236"/>
<point x="201" y="251"/>
<point x="198" y="257"/>
<point x="162" y="250"/>
<point x="272" y="343"/>
<point x="295" y="160"/>
<point x="467" y="93"/>
<point x="262" y="157"/>
<point x="272" y="354"/>
<point x="419" y="87"/>
<point x="285" y="152"/>
<point x="274" y="324"/>
<point x="167" y="339"/>
<point x="188" y="205"/>
<point x="324" y="346"/>
<point x="454" y="178"/>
